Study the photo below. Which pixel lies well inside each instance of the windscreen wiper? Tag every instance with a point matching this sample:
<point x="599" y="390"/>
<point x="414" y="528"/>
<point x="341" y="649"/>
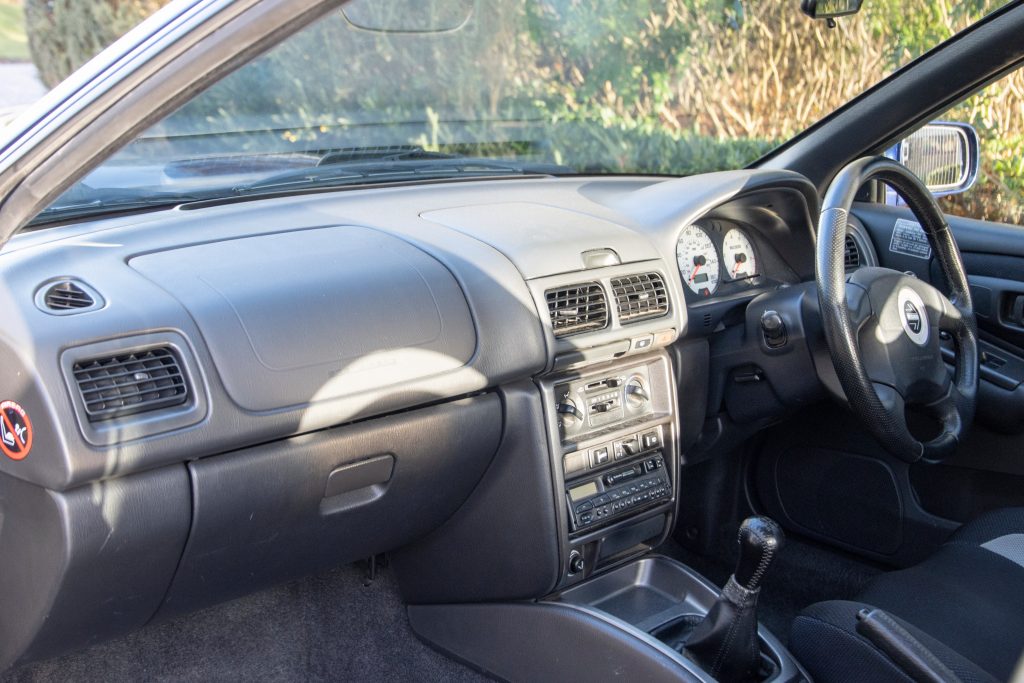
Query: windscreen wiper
<point x="337" y="169"/>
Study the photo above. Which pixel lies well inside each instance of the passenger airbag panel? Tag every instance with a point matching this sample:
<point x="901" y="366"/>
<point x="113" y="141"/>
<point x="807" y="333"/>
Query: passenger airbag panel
<point x="370" y="309"/>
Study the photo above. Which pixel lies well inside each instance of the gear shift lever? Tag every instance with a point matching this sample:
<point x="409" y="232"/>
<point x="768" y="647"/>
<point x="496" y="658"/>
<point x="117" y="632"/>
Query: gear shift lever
<point x="725" y="643"/>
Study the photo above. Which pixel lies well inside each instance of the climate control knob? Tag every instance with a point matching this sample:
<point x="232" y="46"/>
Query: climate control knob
<point x="636" y="394"/>
<point x="569" y="415"/>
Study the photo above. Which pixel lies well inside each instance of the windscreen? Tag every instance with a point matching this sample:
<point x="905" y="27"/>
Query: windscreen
<point x="413" y="90"/>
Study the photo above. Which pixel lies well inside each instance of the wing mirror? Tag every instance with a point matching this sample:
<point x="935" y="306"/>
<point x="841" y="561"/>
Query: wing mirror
<point x="943" y="154"/>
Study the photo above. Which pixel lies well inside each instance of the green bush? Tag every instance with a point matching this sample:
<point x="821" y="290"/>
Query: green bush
<point x="65" y="34"/>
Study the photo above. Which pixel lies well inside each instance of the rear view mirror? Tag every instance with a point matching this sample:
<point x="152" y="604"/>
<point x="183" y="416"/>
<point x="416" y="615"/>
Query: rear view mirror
<point x="944" y="155"/>
<point x="409" y="16"/>
<point x="829" y="9"/>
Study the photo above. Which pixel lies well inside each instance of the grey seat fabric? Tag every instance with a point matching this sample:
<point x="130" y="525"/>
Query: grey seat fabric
<point x="965" y="604"/>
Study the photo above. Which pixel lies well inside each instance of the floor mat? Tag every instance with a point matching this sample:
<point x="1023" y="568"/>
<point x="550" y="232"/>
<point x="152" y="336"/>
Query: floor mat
<point x="327" y="627"/>
<point x="804" y="573"/>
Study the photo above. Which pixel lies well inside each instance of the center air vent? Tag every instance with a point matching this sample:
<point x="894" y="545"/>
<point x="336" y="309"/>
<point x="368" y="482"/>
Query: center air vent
<point x="67" y="296"/>
<point x="640" y="297"/>
<point x="577" y="308"/>
<point x="130" y="383"/>
<point x="852" y="258"/>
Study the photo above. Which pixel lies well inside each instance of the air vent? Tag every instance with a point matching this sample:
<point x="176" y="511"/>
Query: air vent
<point x="65" y="297"/>
<point x="640" y="297"/>
<point x="578" y="308"/>
<point x="852" y="259"/>
<point x="130" y="383"/>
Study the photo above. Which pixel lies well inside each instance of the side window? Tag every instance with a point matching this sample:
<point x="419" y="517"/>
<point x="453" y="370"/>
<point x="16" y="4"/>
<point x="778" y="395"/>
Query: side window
<point x="997" y="113"/>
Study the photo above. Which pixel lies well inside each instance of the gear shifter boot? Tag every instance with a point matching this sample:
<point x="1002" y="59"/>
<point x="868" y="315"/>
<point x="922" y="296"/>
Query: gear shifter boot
<point x="725" y="643"/>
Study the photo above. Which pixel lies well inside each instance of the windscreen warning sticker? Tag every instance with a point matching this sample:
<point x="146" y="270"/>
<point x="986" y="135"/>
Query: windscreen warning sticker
<point x="909" y="239"/>
<point x="15" y="431"/>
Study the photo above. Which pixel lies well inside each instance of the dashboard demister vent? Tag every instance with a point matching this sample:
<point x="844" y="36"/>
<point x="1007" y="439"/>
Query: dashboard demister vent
<point x="640" y="297"/>
<point x="577" y="308"/>
<point x="65" y="297"/>
<point x="852" y="258"/>
<point x="130" y="383"/>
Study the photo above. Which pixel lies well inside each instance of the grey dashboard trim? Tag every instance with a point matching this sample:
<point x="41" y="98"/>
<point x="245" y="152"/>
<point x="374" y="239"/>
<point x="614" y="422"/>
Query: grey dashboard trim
<point x="514" y="340"/>
<point x="541" y="239"/>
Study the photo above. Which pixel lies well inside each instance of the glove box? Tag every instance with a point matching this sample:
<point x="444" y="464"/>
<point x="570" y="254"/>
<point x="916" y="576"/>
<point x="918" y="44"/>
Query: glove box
<point x="290" y="508"/>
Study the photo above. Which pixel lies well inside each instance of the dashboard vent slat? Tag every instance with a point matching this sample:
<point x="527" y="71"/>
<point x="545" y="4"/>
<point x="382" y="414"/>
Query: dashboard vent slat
<point x="852" y="258"/>
<point x="640" y="297"/>
<point x="577" y="308"/>
<point x="130" y="383"/>
<point x="67" y="295"/>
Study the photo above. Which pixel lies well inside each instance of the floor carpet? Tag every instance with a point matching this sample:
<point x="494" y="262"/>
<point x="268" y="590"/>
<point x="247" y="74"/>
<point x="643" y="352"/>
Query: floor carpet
<point x="336" y="627"/>
<point x="327" y="627"/>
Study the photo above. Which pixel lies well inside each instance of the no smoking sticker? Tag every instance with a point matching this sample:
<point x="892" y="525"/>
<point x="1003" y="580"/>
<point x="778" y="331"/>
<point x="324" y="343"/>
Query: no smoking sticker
<point x="15" y="430"/>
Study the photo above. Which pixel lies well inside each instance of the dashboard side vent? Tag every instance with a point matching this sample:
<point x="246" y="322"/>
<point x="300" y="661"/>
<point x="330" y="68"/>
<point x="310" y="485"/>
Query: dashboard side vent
<point x="852" y="258"/>
<point x="577" y="308"/>
<point x="130" y="383"/>
<point x="67" y="296"/>
<point x="640" y="297"/>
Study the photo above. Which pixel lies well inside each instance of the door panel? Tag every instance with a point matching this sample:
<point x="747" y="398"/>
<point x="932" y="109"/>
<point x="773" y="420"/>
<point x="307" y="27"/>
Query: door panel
<point x="988" y="469"/>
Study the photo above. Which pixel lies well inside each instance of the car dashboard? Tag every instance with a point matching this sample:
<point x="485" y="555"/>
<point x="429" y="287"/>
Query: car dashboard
<point x="486" y="374"/>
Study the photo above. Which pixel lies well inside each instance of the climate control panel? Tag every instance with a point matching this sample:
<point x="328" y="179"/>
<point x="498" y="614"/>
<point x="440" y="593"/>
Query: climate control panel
<point x="588" y="406"/>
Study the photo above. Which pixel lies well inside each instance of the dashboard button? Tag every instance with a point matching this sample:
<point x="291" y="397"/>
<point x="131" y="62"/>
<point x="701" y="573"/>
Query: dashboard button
<point x="575" y="462"/>
<point x="599" y="456"/>
<point x="641" y="343"/>
<point x="665" y="337"/>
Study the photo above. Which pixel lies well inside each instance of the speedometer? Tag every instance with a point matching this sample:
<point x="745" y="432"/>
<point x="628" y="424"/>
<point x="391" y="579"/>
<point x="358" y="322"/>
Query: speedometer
<point x="738" y="252"/>
<point x="698" y="260"/>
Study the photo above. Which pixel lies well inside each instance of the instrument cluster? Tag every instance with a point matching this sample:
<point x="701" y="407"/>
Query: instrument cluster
<point x="714" y="254"/>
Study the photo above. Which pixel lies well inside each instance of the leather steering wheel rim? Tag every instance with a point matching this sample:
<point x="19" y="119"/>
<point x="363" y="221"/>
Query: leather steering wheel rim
<point x="881" y="407"/>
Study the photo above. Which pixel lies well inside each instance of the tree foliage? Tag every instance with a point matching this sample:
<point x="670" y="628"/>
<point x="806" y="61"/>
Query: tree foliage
<point x="65" y="34"/>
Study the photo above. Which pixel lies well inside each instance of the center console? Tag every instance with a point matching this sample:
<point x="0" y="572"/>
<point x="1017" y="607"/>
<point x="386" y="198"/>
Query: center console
<point x="613" y="435"/>
<point x="612" y="609"/>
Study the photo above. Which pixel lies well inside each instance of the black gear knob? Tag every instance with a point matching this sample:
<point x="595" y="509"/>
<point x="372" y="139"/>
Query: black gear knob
<point x="725" y="643"/>
<point x="760" y="540"/>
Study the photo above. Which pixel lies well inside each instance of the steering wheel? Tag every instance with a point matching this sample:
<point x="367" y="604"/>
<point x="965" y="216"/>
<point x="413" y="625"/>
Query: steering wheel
<point x="882" y="326"/>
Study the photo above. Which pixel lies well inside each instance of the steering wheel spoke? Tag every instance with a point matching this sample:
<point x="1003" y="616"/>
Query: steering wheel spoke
<point x="951" y="318"/>
<point x="891" y="400"/>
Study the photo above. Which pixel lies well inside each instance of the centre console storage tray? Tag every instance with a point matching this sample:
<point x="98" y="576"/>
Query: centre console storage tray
<point x="656" y="595"/>
<point x="647" y="593"/>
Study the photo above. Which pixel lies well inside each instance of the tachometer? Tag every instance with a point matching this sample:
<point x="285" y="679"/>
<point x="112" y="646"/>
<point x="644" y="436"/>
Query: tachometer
<point x="738" y="253"/>
<point x="698" y="260"/>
